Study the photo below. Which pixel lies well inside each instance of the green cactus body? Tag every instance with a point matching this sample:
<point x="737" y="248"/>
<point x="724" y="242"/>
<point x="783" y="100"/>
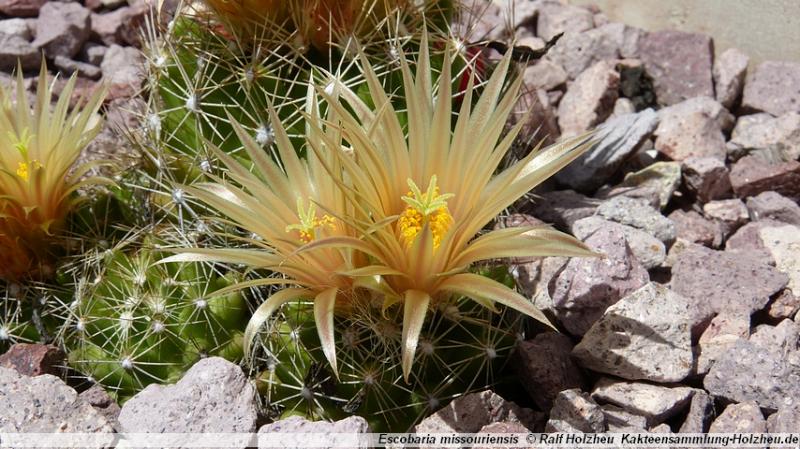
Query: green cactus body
<point x="464" y="347"/>
<point x="134" y="322"/>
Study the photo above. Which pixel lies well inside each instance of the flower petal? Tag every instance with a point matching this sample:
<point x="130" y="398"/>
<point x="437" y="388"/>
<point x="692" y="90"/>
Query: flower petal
<point x="324" y="304"/>
<point x="415" y="309"/>
<point x="266" y="310"/>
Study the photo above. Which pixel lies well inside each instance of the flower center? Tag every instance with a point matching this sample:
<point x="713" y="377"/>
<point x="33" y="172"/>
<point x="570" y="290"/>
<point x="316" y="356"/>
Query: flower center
<point x="309" y="223"/>
<point x="429" y="207"/>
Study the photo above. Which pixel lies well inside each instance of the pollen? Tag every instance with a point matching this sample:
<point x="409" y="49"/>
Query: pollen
<point x="425" y="208"/>
<point x="23" y="169"/>
<point x="310" y="225"/>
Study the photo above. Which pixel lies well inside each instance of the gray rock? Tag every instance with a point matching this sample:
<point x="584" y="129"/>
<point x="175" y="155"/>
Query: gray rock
<point x="638" y="214"/>
<point x="717" y="282"/>
<point x="621" y="136"/>
<point x="784" y="420"/>
<point x="654" y="402"/>
<point x="576" y="412"/>
<point x="45" y="404"/>
<point x="752" y="175"/>
<point x="773" y="87"/>
<point x="707" y="178"/>
<point x="723" y="332"/>
<point x="83" y="69"/>
<point x="534" y="278"/>
<point x="701" y="414"/>
<point x="740" y="418"/>
<point x="644" y="336"/>
<point x="296" y="426"/>
<point x="729" y="70"/>
<point x="748" y="239"/>
<point x="773" y="139"/>
<point x="729" y="214"/>
<point x="545" y="74"/>
<point x="94" y="53"/>
<point x="655" y="183"/>
<point x="619" y="420"/>
<point x="783" y="243"/>
<point x="469" y="413"/>
<point x="785" y="305"/>
<point x="562" y="208"/>
<point x="679" y="63"/>
<point x="122" y="68"/>
<point x="546" y="367"/>
<point x="693" y="128"/>
<point x="501" y="427"/>
<point x="693" y="227"/>
<point x="120" y="26"/>
<point x="213" y="396"/>
<point x="587" y="286"/>
<point x="15" y="45"/>
<point x="778" y="376"/>
<point x="576" y="52"/>
<point x="773" y="206"/>
<point x="589" y="99"/>
<point x="648" y="250"/>
<point x="557" y="18"/>
<point x="62" y="28"/>
<point x="21" y="8"/>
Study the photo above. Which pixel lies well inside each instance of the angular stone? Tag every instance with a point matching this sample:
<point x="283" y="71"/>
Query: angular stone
<point x="723" y="332"/>
<point x="62" y="28"/>
<point x="785" y="305"/>
<point x="695" y="228"/>
<point x="587" y="286"/>
<point x="783" y="243"/>
<point x="546" y="367"/>
<point x="751" y="175"/>
<point x="545" y="74"/>
<point x="648" y="250"/>
<point x="534" y="278"/>
<point x="679" y="63"/>
<point x="33" y="359"/>
<point x="293" y="430"/>
<point x="729" y="214"/>
<point x="693" y="128"/>
<point x="576" y="52"/>
<point x="740" y="418"/>
<point x="15" y="46"/>
<point x="723" y="282"/>
<point x="707" y="178"/>
<point x="729" y="70"/>
<point x="748" y="372"/>
<point x="655" y="183"/>
<point x="773" y="87"/>
<point x="120" y="26"/>
<point x="213" y="396"/>
<point x="94" y="53"/>
<point x="701" y="414"/>
<point x="638" y="214"/>
<point x="644" y="336"/>
<point x="654" y="402"/>
<point x="589" y="99"/>
<point x="773" y="139"/>
<point x="557" y="18"/>
<point x="562" y="208"/>
<point x="748" y="239"/>
<point x="773" y="206"/>
<point x="784" y="420"/>
<point x="469" y="413"/>
<point x="97" y="397"/>
<point x="623" y="106"/>
<point x="45" y="404"/>
<point x="621" y="136"/>
<point x="21" y="8"/>
<point x="576" y="412"/>
<point x="122" y="68"/>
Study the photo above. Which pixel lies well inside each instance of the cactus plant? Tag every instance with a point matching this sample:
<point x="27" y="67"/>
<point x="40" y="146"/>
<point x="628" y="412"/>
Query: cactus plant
<point x="129" y="322"/>
<point x="39" y="149"/>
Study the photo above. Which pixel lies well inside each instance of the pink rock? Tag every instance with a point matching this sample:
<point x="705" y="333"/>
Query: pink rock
<point x="707" y="178"/>
<point x="752" y="175"/>
<point x="33" y="359"/>
<point x="21" y="8"/>
<point x="695" y="228"/>
<point x="589" y="100"/>
<point x="774" y="87"/>
<point x="729" y="71"/>
<point x="679" y="63"/>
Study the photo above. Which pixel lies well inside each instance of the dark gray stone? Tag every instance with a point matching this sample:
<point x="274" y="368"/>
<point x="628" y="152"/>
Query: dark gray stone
<point x="640" y="215"/>
<point x="701" y="414"/>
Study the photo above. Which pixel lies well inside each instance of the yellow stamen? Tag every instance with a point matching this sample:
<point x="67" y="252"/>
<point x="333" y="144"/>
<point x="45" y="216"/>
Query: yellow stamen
<point x="429" y="207"/>
<point x="309" y="223"/>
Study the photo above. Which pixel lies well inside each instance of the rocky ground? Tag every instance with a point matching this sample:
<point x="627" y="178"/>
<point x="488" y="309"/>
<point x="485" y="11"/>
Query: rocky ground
<point x="689" y="323"/>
